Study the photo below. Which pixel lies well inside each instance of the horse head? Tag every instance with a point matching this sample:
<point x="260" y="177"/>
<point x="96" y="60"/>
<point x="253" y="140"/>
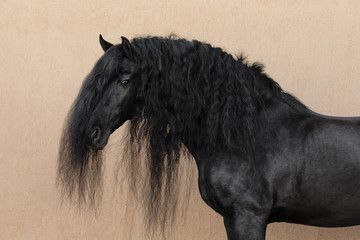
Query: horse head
<point x="118" y="98"/>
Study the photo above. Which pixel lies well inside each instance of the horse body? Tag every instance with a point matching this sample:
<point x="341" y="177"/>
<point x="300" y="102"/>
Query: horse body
<point x="318" y="181"/>
<point x="307" y="170"/>
<point x="273" y="159"/>
<point x="320" y="158"/>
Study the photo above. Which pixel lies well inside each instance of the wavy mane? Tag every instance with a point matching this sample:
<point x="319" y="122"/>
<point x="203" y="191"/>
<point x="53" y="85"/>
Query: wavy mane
<point x="80" y="168"/>
<point x="195" y="96"/>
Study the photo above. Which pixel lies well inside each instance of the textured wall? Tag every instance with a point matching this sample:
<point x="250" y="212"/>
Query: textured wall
<point x="312" y="48"/>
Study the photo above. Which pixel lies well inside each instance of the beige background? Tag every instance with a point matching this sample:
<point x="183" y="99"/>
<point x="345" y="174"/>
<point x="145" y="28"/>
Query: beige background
<point x="312" y="48"/>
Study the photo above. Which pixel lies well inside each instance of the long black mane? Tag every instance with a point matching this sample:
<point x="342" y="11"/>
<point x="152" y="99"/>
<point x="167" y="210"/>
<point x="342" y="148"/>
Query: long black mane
<point x="195" y="97"/>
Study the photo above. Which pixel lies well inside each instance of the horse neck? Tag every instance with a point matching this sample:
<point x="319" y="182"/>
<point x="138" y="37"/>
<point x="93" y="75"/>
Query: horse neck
<point x="267" y="91"/>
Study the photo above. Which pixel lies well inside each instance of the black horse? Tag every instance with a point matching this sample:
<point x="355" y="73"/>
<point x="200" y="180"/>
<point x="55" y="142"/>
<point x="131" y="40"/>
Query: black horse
<point x="262" y="156"/>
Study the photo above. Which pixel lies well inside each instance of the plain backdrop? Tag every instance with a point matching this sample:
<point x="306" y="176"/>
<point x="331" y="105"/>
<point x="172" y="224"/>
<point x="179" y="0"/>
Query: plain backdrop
<point x="310" y="47"/>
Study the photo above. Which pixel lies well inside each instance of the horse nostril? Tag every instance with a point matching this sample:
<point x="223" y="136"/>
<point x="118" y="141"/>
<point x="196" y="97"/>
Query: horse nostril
<point x="95" y="134"/>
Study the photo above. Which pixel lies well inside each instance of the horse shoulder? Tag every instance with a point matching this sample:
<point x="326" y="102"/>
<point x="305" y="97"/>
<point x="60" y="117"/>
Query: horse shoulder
<point x="228" y="182"/>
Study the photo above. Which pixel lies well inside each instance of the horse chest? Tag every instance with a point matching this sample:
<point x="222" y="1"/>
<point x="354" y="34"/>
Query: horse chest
<point x="215" y="192"/>
<point x="226" y="186"/>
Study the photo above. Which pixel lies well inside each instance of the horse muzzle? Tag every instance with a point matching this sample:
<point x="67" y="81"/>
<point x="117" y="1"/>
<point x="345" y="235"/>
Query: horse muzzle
<point x="97" y="138"/>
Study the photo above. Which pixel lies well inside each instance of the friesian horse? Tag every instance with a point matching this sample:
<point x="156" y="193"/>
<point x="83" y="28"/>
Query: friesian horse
<point x="262" y="155"/>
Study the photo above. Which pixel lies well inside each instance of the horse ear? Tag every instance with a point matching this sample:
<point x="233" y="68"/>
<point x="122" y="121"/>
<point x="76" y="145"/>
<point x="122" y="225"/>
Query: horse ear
<point x="126" y="46"/>
<point x="104" y="44"/>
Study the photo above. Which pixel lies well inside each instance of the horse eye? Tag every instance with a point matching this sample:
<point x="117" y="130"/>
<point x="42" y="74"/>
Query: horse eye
<point x="124" y="79"/>
<point x="124" y="82"/>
